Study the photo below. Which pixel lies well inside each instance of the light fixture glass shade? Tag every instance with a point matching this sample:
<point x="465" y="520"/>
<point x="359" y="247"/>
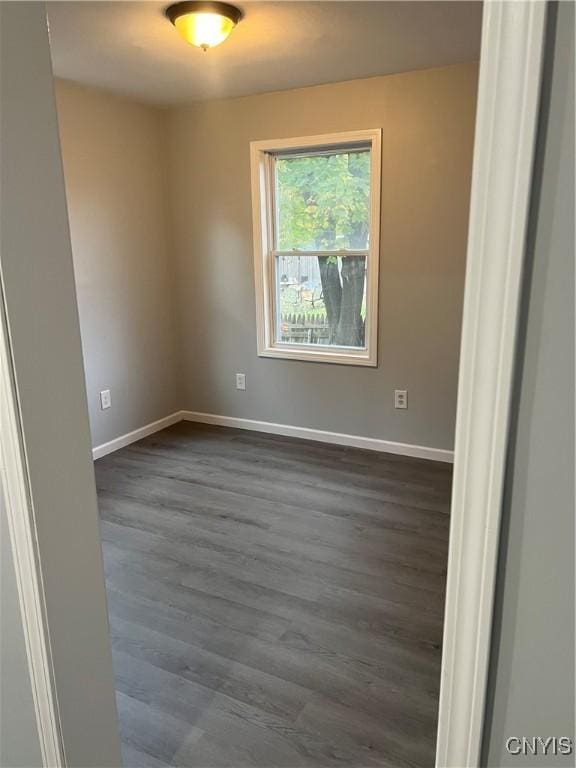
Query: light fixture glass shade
<point x="204" y="30"/>
<point x="204" y="24"/>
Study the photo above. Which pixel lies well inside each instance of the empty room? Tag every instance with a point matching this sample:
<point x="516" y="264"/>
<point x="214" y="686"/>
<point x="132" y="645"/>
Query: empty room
<point x="286" y="384"/>
<point x="269" y="243"/>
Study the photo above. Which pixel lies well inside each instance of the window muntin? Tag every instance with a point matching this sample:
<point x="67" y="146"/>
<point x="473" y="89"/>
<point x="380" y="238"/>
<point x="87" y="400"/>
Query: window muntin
<point x="316" y="216"/>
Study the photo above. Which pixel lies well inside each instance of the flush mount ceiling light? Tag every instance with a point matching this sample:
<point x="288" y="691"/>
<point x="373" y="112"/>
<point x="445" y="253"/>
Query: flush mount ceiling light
<point x="204" y="24"/>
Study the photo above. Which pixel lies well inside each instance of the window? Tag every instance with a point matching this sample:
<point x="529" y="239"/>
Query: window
<point x="316" y="209"/>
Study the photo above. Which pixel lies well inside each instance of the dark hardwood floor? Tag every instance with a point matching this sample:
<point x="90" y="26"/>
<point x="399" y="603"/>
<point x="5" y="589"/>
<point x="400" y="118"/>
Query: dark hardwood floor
<point x="273" y="601"/>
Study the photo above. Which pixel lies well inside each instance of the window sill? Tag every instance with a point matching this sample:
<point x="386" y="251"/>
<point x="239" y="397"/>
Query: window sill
<point x="318" y="355"/>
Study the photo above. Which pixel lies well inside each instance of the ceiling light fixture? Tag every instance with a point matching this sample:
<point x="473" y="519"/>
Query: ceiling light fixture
<point x="204" y="24"/>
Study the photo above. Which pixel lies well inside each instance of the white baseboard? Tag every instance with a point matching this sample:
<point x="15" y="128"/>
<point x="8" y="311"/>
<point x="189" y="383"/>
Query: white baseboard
<point x="320" y="435"/>
<point x="305" y="433"/>
<point x="137" y="434"/>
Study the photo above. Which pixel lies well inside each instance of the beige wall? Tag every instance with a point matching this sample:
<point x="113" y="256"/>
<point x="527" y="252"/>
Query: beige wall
<point x="42" y="318"/>
<point x="114" y="164"/>
<point x="161" y="226"/>
<point x="427" y="119"/>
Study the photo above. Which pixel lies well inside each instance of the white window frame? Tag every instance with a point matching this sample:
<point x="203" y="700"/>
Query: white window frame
<point x="262" y="166"/>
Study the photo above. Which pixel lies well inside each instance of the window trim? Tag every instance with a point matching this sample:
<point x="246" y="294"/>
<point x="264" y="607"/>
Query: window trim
<point x="261" y="164"/>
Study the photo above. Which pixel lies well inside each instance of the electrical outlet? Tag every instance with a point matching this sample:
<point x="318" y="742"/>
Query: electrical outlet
<point x="400" y="398"/>
<point x="240" y="381"/>
<point x="105" y="399"/>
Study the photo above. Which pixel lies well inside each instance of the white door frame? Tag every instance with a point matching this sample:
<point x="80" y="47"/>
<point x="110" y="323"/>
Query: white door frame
<point x="14" y="484"/>
<point x="508" y="95"/>
<point x="506" y="121"/>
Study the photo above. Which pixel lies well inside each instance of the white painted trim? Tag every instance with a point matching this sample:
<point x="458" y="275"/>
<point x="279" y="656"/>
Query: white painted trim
<point x="328" y="140"/>
<point x="22" y="531"/>
<point x="261" y="159"/>
<point x="137" y="434"/>
<point x="306" y="433"/>
<point x="338" y="355"/>
<point x="322" y="436"/>
<point x="342" y="253"/>
<point x="509" y="89"/>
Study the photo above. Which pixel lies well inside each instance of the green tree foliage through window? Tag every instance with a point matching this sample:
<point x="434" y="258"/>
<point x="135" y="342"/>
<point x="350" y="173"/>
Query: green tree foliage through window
<point x="322" y="204"/>
<point x="323" y="201"/>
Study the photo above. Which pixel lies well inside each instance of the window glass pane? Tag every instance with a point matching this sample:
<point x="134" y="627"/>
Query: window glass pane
<point x="323" y="201"/>
<point x="321" y="300"/>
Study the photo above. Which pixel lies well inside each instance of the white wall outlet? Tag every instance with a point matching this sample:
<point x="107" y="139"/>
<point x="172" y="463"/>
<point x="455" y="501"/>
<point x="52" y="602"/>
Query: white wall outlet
<point x="105" y="399"/>
<point x="400" y="398"/>
<point x="240" y="381"/>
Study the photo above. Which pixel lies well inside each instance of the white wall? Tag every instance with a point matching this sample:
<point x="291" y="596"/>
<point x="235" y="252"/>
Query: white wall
<point x="115" y="172"/>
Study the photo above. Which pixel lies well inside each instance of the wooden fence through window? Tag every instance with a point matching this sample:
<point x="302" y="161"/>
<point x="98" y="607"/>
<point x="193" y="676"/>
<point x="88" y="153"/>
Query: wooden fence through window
<point x="304" y="328"/>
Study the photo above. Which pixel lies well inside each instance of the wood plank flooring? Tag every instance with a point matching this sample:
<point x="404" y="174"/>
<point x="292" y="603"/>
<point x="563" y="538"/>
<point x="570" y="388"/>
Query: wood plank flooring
<point x="273" y="602"/>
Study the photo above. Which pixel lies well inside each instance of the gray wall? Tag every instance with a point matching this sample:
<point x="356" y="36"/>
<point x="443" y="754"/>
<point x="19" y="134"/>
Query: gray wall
<point x="19" y="744"/>
<point x="531" y="689"/>
<point x="427" y="119"/>
<point x="42" y="316"/>
<point x="115" y="172"/>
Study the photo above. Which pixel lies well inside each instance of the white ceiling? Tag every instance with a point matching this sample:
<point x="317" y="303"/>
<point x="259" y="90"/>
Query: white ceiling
<point x="131" y="48"/>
